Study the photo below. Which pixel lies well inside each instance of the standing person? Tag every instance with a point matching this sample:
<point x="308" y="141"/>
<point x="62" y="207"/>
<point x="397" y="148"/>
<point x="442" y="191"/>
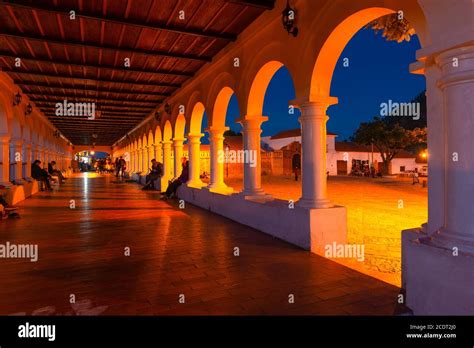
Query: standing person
<point x="123" y="166"/>
<point x="156" y="172"/>
<point x="117" y="167"/>
<point x="296" y="165"/>
<point x="416" y="179"/>
<point x="40" y="175"/>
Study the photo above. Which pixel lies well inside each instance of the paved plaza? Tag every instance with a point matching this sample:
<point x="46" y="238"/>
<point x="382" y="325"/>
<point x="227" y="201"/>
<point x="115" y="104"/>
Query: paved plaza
<point x="173" y="252"/>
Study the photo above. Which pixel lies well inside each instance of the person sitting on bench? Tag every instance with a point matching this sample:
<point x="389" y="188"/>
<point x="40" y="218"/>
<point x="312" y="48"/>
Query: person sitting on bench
<point x="54" y="172"/>
<point x="156" y="171"/>
<point x="40" y="175"/>
<point x="182" y="179"/>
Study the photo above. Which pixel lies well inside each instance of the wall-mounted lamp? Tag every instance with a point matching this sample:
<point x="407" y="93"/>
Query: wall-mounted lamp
<point x="167" y="108"/>
<point x="28" y="110"/>
<point x="17" y="99"/>
<point x="288" y="17"/>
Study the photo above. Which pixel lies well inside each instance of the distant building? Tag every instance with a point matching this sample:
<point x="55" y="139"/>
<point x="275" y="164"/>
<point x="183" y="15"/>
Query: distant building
<point x="341" y="156"/>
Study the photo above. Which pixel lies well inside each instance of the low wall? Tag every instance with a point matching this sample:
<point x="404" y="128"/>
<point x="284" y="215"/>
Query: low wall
<point x="310" y="229"/>
<point x="18" y="193"/>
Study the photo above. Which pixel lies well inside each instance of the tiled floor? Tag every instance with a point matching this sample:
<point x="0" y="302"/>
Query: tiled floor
<point x="173" y="252"/>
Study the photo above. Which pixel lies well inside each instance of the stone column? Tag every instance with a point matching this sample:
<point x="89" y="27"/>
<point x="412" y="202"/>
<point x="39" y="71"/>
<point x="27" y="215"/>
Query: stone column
<point x="145" y="163"/>
<point x="252" y="148"/>
<point x="218" y="160"/>
<point x="159" y="152"/>
<point x="167" y="165"/>
<point x="5" y="160"/>
<point x="17" y="159"/>
<point x="151" y="154"/>
<point x="457" y="85"/>
<point x="27" y="161"/>
<point x="178" y="154"/>
<point x="313" y="138"/>
<point x="139" y="160"/>
<point x="194" y="146"/>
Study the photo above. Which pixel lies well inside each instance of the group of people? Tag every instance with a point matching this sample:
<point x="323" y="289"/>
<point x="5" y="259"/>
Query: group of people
<point x="44" y="176"/>
<point x="156" y="173"/>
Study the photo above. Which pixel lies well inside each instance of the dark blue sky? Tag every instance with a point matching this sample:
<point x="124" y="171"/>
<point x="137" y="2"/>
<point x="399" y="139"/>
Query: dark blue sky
<point x="378" y="71"/>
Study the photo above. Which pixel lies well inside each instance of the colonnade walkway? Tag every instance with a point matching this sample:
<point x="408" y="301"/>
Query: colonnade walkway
<point x="82" y="258"/>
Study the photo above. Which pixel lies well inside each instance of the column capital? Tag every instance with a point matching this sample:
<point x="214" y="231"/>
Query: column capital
<point x="178" y="140"/>
<point x="217" y="130"/>
<point x="457" y="66"/>
<point x="252" y="122"/>
<point x="194" y="137"/>
<point x="4" y="138"/>
<point x="166" y="142"/>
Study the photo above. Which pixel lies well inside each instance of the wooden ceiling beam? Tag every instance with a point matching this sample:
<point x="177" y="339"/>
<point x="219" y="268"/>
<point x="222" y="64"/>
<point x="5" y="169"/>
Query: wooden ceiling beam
<point x="97" y="66"/>
<point x="82" y="89"/>
<point x="60" y="99"/>
<point x="117" y="49"/>
<point x="265" y="4"/>
<point x="90" y="79"/>
<point x="102" y="101"/>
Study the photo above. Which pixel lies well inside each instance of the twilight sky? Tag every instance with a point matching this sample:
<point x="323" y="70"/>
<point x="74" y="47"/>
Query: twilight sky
<point x="377" y="72"/>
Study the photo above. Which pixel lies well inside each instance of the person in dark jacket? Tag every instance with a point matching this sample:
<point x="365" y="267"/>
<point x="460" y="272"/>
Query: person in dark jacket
<point x="53" y="171"/>
<point x="182" y="179"/>
<point x="40" y="175"/>
<point x="156" y="172"/>
<point x="296" y="165"/>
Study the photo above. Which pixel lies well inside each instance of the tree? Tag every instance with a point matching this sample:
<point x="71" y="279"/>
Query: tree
<point x="394" y="26"/>
<point x="388" y="139"/>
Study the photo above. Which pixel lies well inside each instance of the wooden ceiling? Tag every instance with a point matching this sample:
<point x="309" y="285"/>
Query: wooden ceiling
<point x="84" y="59"/>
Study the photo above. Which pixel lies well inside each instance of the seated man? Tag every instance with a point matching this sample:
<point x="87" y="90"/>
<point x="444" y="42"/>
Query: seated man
<point x="40" y="175"/>
<point x="182" y="179"/>
<point x="53" y="171"/>
<point x="156" y="172"/>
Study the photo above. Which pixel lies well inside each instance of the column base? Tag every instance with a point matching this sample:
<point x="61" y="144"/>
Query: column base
<point x="314" y="203"/>
<point x="220" y="188"/>
<point x="196" y="184"/>
<point x="256" y="195"/>
<point x="437" y="280"/>
<point x="449" y="239"/>
<point x="19" y="181"/>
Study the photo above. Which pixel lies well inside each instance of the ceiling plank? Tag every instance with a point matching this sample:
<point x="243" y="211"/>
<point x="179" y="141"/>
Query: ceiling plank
<point x="122" y="21"/>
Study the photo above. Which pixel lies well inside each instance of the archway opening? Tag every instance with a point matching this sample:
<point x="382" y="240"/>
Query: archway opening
<point x="374" y="165"/>
<point x="225" y="113"/>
